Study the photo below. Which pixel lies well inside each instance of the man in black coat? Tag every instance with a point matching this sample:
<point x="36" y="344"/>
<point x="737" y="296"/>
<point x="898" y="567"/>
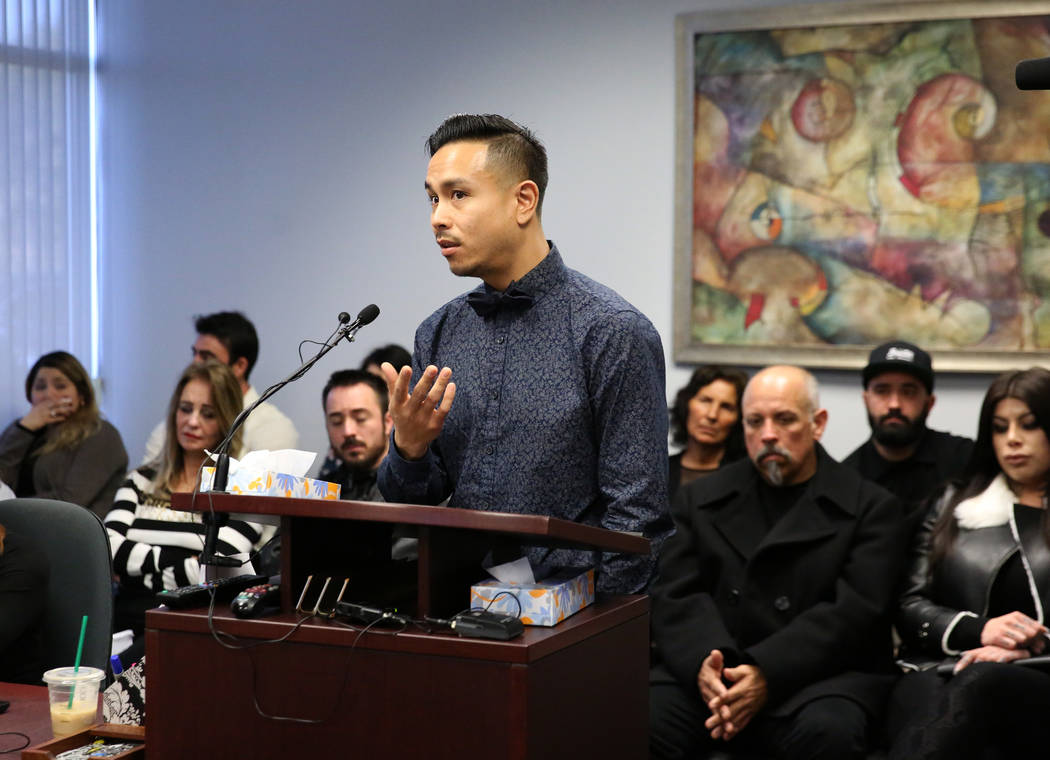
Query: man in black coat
<point x="771" y="608"/>
<point x="903" y="455"/>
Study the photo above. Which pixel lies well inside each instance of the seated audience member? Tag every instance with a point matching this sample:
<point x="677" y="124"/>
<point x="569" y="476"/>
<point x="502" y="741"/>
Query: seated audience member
<point x="772" y="603"/>
<point x="977" y="591"/>
<point x="62" y="448"/>
<point x="397" y="356"/>
<point x="228" y="337"/>
<point x="23" y="591"/>
<point x="358" y="421"/>
<point x="355" y="409"/>
<point x="903" y="455"/>
<point x="154" y="546"/>
<point x="705" y="419"/>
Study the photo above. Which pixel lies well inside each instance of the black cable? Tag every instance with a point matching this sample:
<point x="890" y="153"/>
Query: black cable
<point x="492" y="601"/>
<point x="14" y="749"/>
<point x="239" y="643"/>
<point x="342" y="687"/>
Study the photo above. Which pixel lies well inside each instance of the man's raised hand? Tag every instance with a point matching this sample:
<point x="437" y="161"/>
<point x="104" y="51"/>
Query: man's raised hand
<point x="418" y="415"/>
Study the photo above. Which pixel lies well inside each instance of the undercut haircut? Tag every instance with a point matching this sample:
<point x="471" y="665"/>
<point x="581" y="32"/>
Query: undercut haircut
<point x="512" y="148"/>
<point x="234" y="331"/>
<point x="345" y="378"/>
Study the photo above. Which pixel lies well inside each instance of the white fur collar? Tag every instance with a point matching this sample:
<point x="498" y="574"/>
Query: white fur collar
<point x="993" y="506"/>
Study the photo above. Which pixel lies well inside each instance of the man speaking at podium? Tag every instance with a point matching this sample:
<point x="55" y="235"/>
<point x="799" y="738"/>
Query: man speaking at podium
<point x="558" y="402"/>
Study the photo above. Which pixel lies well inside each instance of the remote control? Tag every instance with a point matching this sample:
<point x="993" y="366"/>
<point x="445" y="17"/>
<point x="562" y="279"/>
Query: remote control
<point x="199" y="595"/>
<point x="254" y="601"/>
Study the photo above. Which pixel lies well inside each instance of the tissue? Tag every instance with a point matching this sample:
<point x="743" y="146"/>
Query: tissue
<point x="273" y="473"/>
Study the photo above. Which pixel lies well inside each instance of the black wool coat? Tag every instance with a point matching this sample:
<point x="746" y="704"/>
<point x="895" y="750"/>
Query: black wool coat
<point x="809" y="603"/>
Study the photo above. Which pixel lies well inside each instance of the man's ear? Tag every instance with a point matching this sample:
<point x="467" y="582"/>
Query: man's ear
<point x="239" y="366"/>
<point x="388" y="424"/>
<point x="527" y="200"/>
<point x="930" y="402"/>
<point x="820" y="421"/>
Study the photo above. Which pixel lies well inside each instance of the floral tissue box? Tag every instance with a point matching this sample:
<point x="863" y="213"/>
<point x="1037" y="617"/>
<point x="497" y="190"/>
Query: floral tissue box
<point x="267" y="483"/>
<point x="544" y="603"/>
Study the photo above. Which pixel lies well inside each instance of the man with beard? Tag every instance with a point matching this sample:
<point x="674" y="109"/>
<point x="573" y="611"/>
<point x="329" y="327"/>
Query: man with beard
<point x="771" y="605"/>
<point x="903" y="455"/>
<point x="355" y="409"/>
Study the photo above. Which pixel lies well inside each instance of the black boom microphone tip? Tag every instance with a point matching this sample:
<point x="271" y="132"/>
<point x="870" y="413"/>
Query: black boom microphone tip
<point x="367" y="315"/>
<point x="343" y="317"/>
<point x="1033" y="74"/>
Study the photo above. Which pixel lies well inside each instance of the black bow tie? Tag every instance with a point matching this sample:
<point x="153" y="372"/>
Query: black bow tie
<point x="486" y="302"/>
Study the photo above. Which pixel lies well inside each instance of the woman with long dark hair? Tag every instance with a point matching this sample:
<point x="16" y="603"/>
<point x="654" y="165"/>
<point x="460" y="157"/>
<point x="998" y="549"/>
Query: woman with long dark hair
<point x="62" y="448"/>
<point x="974" y="606"/>
<point x="705" y="421"/>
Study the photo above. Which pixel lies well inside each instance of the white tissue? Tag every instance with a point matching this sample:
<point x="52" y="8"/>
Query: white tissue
<point x="519" y="571"/>
<point x="287" y="461"/>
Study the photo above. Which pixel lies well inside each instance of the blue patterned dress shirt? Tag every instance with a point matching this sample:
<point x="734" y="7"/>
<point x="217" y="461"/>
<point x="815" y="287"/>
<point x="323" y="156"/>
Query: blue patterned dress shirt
<point x="559" y="411"/>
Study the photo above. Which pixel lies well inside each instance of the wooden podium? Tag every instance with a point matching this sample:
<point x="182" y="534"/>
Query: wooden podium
<point x="577" y="690"/>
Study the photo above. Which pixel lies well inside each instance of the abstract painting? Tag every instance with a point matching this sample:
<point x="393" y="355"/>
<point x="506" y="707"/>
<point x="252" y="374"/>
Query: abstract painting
<point x="852" y="174"/>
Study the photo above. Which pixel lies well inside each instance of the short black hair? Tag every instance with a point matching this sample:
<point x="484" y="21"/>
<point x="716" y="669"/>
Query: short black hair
<point x="398" y="356"/>
<point x="701" y="377"/>
<point x="513" y="146"/>
<point x="235" y="332"/>
<point x="346" y="377"/>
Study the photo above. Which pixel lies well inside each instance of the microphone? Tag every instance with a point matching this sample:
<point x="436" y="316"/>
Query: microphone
<point x="366" y="316"/>
<point x="1033" y="74"/>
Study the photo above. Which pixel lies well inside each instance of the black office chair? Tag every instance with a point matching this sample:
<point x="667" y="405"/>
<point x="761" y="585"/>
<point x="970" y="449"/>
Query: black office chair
<point x="77" y="549"/>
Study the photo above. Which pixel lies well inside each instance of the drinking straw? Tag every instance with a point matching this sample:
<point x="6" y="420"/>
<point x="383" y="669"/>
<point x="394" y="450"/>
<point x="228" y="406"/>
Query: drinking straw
<point x="76" y="664"/>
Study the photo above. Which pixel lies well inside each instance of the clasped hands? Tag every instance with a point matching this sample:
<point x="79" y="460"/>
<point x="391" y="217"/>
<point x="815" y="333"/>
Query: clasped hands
<point x="733" y="706"/>
<point x="418" y="414"/>
<point x="1006" y="638"/>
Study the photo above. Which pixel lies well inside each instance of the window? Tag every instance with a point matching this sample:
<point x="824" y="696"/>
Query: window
<point x="47" y="263"/>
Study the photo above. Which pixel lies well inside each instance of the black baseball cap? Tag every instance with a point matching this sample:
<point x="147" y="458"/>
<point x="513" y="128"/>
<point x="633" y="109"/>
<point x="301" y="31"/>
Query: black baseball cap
<point x="900" y="356"/>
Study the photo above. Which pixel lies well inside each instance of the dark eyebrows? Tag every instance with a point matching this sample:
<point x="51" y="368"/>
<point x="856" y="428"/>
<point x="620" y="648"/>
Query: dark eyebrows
<point x="447" y="183"/>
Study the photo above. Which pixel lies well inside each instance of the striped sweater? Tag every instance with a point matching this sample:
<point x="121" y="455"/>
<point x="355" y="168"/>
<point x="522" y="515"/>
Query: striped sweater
<point x="155" y="546"/>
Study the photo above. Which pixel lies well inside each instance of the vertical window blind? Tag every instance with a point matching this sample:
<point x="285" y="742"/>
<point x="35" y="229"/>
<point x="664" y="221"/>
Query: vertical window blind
<point x="46" y="215"/>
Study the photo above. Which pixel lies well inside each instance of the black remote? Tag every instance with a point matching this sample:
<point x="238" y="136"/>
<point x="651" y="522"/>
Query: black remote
<point x="199" y="595"/>
<point x="254" y="601"/>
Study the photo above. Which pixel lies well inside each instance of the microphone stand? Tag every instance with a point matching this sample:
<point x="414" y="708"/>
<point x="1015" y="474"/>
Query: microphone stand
<point x="215" y="522"/>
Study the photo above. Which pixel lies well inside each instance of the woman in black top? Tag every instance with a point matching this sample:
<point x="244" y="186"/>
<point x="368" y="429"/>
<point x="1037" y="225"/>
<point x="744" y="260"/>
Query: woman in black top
<point x="705" y="419"/>
<point x="979" y="587"/>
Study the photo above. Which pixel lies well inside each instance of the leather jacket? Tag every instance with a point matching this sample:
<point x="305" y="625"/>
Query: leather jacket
<point x="991" y="528"/>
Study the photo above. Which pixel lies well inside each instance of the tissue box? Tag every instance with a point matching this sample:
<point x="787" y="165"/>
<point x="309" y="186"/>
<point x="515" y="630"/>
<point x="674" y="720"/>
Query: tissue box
<point x="545" y="603"/>
<point x="266" y="483"/>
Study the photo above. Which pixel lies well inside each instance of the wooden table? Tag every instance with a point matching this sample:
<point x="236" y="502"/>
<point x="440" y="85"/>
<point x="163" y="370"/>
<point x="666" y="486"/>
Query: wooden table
<point x="28" y="714"/>
<point x="577" y="690"/>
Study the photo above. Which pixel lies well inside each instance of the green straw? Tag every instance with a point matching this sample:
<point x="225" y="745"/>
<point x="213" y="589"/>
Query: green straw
<point x="76" y="664"/>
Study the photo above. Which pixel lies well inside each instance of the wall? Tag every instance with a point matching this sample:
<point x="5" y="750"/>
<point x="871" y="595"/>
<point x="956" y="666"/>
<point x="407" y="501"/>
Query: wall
<point x="268" y="156"/>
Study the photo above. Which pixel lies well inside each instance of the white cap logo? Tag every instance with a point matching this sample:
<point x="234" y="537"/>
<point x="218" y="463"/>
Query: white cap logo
<point x="896" y="353"/>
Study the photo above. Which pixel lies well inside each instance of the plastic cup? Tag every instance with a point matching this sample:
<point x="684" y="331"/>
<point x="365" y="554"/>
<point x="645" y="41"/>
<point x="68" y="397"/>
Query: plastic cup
<point x="83" y="685"/>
